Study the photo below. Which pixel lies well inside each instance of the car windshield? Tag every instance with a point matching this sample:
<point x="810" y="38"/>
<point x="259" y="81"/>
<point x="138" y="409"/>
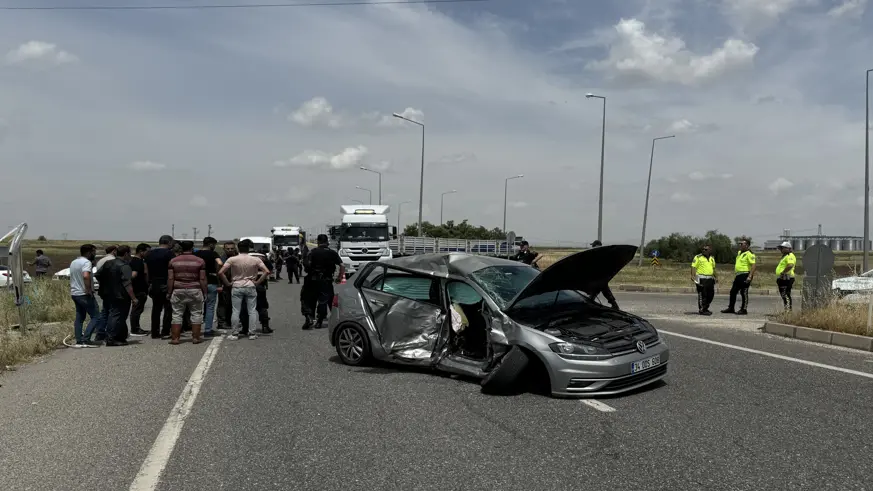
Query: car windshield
<point x="286" y="240"/>
<point x="503" y="283"/>
<point x="364" y="232"/>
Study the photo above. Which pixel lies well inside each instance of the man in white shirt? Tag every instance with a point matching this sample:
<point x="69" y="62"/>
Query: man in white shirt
<point x="82" y="291"/>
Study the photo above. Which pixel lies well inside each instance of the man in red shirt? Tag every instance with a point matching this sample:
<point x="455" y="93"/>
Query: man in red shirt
<point x="186" y="289"/>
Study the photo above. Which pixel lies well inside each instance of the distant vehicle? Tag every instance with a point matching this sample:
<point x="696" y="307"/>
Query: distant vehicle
<point x="853" y="284"/>
<point x="260" y="243"/>
<point x="64" y="275"/>
<point x="495" y="320"/>
<point x="285" y="238"/>
<point x="364" y="236"/>
<point x="6" y="277"/>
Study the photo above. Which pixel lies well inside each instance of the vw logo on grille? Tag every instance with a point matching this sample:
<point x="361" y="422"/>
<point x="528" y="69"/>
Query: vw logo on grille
<point x="364" y="250"/>
<point x="641" y="346"/>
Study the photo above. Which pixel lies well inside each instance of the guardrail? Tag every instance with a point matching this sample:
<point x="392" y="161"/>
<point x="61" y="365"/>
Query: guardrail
<point x="16" y="266"/>
<point x="408" y="246"/>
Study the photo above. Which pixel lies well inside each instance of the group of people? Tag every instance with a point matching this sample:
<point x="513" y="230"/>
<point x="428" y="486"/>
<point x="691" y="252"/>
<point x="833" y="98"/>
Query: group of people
<point x="703" y="273"/>
<point x="189" y="289"/>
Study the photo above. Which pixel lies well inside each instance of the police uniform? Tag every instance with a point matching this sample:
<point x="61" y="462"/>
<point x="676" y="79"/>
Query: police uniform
<point x="785" y="281"/>
<point x="704" y="268"/>
<point x="317" y="291"/>
<point x="743" y="269"/>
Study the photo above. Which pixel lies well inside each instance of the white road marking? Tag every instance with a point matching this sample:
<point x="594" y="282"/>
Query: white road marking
<point x="603" y="408"/>
<point x="150" y="472"/>
<point x="771" y="355"/>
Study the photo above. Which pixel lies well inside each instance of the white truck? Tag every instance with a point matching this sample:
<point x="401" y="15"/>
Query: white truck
<point x="260" y="243"/>
<point x="285" y="238"/>
<point x="364" y="235"/>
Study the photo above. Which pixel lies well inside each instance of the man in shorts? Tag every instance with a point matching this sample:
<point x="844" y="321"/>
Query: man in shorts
<point x="186" y="289"/>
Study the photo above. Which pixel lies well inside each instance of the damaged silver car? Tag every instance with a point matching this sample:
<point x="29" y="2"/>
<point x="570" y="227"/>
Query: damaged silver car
<point x="498" y="321"/>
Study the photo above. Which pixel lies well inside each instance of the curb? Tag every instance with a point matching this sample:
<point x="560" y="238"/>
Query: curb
<point x="844" y="340"/>
<point x="672" y="289"/>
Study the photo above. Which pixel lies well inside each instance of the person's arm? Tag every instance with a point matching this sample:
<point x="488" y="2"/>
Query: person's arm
<point x="222" y="273"/>
<point x="127" y="283"/>
<point x="753" y="261"/>
<point x="342" y="268"/>
<point x="265" y="274"/>
<point x="89" y="283"/>
<point x="789" y="265"/>
<point x="694" y="269"/>
<point x="171" y="281"/>
<point x="145" y="268"/>
<point x="536" y="259"/>
<point x="203" y="279"/>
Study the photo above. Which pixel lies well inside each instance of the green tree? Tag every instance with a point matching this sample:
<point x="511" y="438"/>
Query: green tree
<point x="682" y="247"/>
<point x="452" y="230"/>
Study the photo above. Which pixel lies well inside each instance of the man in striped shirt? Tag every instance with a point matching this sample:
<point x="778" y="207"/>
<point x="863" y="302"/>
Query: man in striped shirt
<point x="186" y="289"/>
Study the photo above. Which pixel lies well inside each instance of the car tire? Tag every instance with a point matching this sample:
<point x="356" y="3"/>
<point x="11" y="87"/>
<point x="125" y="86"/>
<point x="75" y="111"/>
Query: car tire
<point x="352" y="345"/>
<point x="506" y="378"/>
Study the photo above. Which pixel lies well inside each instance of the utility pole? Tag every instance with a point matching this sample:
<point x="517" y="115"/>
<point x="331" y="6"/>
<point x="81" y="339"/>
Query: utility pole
<point x="209" y="230"/>
<point x="173" y="230"/>
<point x="819" y="230"/>
<point x="184" y="236"/>
<point x="195" y="233"/>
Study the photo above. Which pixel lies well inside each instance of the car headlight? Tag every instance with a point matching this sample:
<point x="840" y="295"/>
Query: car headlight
<point x="577" y="349"/>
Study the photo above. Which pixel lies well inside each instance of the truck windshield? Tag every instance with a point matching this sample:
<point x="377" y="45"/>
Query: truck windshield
<point x="364" y="232"/>
<point x="286" y="240"/>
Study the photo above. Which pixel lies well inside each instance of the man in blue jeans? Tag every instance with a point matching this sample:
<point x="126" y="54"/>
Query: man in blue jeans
<point x="213" y="264"/>
<point x="82" y="291"/>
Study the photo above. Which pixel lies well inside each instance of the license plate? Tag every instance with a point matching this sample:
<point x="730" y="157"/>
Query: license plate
<point x="639" y="366"/>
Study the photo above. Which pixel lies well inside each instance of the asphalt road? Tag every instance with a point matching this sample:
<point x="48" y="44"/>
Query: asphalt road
<point x="281" y="413"/>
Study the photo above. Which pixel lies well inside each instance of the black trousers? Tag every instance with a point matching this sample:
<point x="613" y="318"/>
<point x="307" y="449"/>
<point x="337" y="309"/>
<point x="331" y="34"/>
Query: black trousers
<point x="316" y="296"/>
<point x="293" y="273"/>
<point x="136" y="312"/>
<point x="741" y="286"/>
<point x="262" y="306"/>
<point x="162" y="311"/>
<point x="785" y="291"/>
<point x="278" y="271"/>
<point x="223" y="308"/>
<point x="116" y="326"/>
<point x="705" y="293"/>
<point x="607" y="294"/>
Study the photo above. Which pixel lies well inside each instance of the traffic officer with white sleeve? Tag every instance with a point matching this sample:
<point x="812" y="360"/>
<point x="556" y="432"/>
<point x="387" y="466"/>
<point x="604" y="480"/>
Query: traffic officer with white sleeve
<point x="785" y="273"/>
<point x="703" y="275"/>
<point x="745" y="273"/>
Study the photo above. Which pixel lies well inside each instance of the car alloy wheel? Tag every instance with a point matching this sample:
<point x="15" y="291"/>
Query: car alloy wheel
<point x="352" y="346"/>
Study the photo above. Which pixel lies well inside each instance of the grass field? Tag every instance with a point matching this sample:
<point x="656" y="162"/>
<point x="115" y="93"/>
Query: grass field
<point x="50" y="315"/>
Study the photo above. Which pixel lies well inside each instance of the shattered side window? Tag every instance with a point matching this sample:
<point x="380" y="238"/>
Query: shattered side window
<point x="503" y="283"/>
<point x="374" y="278"/>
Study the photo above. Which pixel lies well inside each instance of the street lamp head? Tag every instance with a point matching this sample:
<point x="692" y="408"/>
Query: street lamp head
<point x="398" y="116"/>
<point x="364" y="168"/>
<point x="589" y="95"/>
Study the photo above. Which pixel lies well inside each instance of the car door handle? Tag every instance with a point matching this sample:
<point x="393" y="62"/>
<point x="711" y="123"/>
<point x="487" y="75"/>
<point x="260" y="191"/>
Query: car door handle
<point x="378" y="302"/>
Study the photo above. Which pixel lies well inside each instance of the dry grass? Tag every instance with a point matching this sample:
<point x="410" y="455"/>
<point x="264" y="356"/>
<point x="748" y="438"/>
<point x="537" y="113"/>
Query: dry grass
<point x="837" y="317"/>
<point x="50" y="315"/>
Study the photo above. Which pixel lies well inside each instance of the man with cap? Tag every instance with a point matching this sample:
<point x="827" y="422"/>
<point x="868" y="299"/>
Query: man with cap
<point x="703" y="275"/>
<point x="527" y="256"/>
<point x="319" y="281"/>
<point x="606" y="291"/>
<point x="745" y="273"/>
<point x="785" y="273"/>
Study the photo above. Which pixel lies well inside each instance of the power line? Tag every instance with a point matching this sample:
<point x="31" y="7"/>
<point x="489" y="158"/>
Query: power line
<point x="238" y="6"/>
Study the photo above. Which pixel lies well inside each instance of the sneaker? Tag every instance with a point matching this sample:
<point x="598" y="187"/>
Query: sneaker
<point x="211" y="334"/>
<point x="706" y="312"/>
<point x="90" y="344"/>
<point x="138" y="332"/>
<point x="742" y="312"/>
<point x="232" y="337"/>
<point x="728" y="311"/>
<point x="267" y="330"/>
<point x="252" y="337"/>
<point x="78" y="346"/>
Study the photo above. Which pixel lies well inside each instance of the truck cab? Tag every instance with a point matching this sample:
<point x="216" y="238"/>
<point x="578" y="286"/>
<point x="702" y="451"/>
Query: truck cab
<point x="260" y="244"/>
<point x="284" y="238"/>
<point x="364" y="235"/>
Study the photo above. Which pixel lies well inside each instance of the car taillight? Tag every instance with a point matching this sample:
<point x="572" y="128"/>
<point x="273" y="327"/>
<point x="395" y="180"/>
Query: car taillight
<point x="335" y="301"/>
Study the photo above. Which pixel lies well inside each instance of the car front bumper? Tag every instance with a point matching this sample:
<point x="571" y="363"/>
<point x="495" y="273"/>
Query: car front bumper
<point x="590" y="378"/>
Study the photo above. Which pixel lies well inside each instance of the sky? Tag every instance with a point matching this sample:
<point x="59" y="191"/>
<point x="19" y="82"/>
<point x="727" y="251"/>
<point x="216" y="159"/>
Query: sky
<point x="121" y="124"/>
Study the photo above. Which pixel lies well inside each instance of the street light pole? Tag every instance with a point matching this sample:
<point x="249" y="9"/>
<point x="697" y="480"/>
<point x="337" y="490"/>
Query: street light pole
<point x="505" y="193"/>
<point x="442" y="201"/>
<point x="367" y="190"/>
<point x="648" y="188"/>
<point x="400" y="207"/>
<point x="602" y="159"/>
<point x="380" y="180"/>
<point x="867" y="171"/>
<point x="421" y="185"/>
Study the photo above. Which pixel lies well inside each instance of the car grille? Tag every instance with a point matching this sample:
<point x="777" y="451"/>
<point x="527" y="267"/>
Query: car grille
<point x="635" y="379"/>
<point x="364" y="258"/>
<point x="629" y="343"/>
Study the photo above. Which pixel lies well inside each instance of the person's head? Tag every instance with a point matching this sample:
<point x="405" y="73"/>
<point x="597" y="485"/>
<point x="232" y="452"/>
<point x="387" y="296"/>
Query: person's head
<point x="187" y="245"/>
<point x="744" y="245"/>
<point x="322" y="240"/>
<point x="142" y="249"/>
<point x="39" y="252"/>
<point x="245" y="246"/>
<point x="230" y="248"/>
<point x="88" y="251"/>
<point x="785" y="247"/>
<point x="166" y="241"/>
<point x="524" y="245"/>
<point x="123" y="252"/>
<point x="707" y="250"/>
<point x="110" y="250"/>
<point x="596" y="243"/>
<point x="209" y="243"/>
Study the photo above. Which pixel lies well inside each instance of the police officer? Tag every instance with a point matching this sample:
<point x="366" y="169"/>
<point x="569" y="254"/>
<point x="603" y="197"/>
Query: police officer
<point x="317" y="291"/>
<point x="745" y="273"/>
<point x="703" y="275"/>
<point x="606" y="291"/>
<point x="527" y="256"/>
<point x="785" y="273"/>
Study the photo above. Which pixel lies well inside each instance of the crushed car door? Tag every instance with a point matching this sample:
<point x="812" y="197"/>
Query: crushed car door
<point x="406" y="309"/>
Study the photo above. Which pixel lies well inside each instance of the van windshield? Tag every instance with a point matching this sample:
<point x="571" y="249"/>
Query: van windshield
<point x="364" y="232"/>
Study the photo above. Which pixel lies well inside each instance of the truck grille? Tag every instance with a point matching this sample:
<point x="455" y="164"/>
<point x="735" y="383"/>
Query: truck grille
<point x="364" y="258"/>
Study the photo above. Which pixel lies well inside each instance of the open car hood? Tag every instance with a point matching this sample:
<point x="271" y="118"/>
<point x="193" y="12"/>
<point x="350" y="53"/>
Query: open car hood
<point x="587" y="271"/>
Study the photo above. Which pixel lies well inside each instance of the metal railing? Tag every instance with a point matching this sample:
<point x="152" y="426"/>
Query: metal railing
<point x="16" y="267"/>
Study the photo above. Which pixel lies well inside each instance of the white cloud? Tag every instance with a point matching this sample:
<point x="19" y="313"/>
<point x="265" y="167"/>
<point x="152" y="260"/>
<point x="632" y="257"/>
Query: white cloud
<point x="696" y="176"/>
<point x="518" y="204"/>
<point x="388" y="120"/>
<point x="350" y="158"/>
<point x="455" y="158"/>
<point x="680" y="197"/>
<point x="146" y="166"/>
<point x="779" y="185"/>
<point x="199" y="201"/>
<point x="849" y="9"/>
<point x="682" y="126"/>
<point x="316" y="112"/>
<point x="636" y="52"/>
<point x="702" y="176"/>
<point x="39" y="50"/>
